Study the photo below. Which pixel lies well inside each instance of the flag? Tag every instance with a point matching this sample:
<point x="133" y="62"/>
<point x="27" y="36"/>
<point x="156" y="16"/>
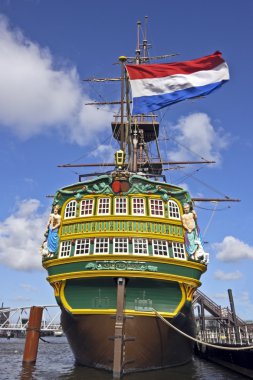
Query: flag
<point x="155" y="86"/>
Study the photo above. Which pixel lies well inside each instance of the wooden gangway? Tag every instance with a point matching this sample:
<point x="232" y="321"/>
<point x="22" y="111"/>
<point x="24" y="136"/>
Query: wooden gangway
<point x="222" y="314"/>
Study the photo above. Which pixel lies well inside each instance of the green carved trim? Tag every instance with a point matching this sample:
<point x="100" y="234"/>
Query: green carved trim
<point x="122" y="226"/>
<point x="141" y="266"/>
<point x="97" y="265"/>
<point x="102" y="185"/>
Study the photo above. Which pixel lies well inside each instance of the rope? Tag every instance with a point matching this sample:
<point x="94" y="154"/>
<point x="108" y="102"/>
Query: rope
<point x="201" y="341"/>
<point x="210" y="219"/>
<point x="46" y="341"/>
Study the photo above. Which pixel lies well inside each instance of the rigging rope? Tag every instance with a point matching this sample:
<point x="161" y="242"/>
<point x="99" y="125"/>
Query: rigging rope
<point x="198" y="340"/>
<point x="210" y="219"/>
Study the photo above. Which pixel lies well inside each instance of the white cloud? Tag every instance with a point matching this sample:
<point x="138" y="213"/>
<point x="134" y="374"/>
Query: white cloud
<point x="104" y="151"/>
<point x="244" y="305"/>
<point x="226" y="276"/>
<point x="38" y="98"/>
<point x="197" y="138"/>
<point x="232" y="249"/>
<point x="21" y="235"/>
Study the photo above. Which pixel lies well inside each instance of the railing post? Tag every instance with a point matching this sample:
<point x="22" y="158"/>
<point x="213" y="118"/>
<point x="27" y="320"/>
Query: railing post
<point x="231" y="300"/>
<point x="32" y="335"/>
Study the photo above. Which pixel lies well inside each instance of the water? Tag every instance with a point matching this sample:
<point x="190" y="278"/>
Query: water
<point x="55" y="362"/>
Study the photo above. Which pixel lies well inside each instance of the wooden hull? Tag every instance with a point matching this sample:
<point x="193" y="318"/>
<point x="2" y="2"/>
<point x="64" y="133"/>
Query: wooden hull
<point x="149" y="342"/>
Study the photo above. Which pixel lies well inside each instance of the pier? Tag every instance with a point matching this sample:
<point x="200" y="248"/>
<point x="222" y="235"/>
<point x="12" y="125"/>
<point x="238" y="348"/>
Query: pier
<point x="14" y="321"/>
<point x="216" y="324"/>
<point x="222" y="336"/>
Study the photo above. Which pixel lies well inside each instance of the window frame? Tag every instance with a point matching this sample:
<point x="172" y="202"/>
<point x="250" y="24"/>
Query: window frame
<point x="133" y="246"/>
<point x="126" y="205"/>
<point x="155" y="242"/>
<point x="174" y="243"/>
<point x="96" y="240"/>
<point x="144" y="206"/>
<point x="92" y="208"/>
<point x="65" y="244"/>
<point x="109" y="206"/>
<point x="127" y="248"/>
<point x="74" y="202"/>
<point x="169" y="209"/>
<point x="150" y="207"/>
<point x="76" y="247"/>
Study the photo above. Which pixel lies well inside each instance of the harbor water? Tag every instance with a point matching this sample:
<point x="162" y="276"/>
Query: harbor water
<point x="55" y="362"/>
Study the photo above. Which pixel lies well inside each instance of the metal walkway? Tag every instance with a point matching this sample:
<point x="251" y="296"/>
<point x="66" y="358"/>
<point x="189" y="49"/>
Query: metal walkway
<point x="16" y="319"/>
<point x="223" y="315"/>
<point x="216" y="324"/>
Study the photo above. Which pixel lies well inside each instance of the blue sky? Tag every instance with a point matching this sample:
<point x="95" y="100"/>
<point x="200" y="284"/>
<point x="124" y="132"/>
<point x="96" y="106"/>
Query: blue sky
<point x="46" y="49"/>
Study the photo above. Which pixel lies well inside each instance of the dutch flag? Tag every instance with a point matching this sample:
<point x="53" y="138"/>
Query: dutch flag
<point x="155" y="86"/>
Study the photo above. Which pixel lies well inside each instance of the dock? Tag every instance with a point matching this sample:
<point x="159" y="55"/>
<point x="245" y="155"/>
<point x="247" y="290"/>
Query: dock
<point x="227" y="339"/>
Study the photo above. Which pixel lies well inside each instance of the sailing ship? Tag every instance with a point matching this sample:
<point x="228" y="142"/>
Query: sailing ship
<point x="124" y="248"/>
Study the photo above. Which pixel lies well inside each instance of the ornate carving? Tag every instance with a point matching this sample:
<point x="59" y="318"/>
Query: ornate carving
<point x="57" y="287"/>
<point x="189" y="291"/>
<point x="121" y="265"/>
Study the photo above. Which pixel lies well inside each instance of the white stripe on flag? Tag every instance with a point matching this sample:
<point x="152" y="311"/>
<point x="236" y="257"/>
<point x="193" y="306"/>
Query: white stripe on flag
<point x="159" y="86"/>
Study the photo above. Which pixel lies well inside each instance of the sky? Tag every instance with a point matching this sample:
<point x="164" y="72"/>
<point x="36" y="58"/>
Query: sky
<point x="47" y="48"/>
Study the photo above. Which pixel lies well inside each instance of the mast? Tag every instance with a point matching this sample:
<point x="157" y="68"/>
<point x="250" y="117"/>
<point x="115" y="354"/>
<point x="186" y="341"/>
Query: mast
<point x="122" y="59"/>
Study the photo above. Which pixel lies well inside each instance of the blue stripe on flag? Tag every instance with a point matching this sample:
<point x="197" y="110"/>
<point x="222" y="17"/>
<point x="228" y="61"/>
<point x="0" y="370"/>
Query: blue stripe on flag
<point x="146" y="104"/>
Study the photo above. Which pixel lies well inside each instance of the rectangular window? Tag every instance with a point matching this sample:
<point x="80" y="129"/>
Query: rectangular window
<point x="70" y="210"/>
<point x="121" y="205"/>
<point x="65" y="248"/>
<point x="86" y="207"/>
<point x="104" y="206"/>
<point x="82" y="247"/>
<point x="140" y="246"/>
<point x="120" y="245"/>
<point x="101" y="245"/>
<point x="160" y="247"/>
<point x="138" y="206"/>
<point x="178" y="251"/>
<point x="156" y="207"/>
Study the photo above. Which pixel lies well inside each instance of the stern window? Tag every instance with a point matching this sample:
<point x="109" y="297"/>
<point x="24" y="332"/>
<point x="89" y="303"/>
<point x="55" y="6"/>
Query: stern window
<point x="65" y="248"/>
<point x="178" y="250"/>
<point x="156" y="207"/>
<point x="120" y="245"/>
<point x="104" y="206"/>
<point x="82" y="247"/>
<point x="101" y="245"/>
<point x="160" y="247"/>
<point x="173" y="210"/>
<point x="140" y="246"/>
<point x="70" y="210"/>
<point x="121" y="205"/>
<point x="86" y="207"/>
<point x="138" y="206"/>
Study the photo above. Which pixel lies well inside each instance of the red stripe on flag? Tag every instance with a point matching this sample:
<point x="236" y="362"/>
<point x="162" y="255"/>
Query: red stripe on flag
<point x="160" y="70"/>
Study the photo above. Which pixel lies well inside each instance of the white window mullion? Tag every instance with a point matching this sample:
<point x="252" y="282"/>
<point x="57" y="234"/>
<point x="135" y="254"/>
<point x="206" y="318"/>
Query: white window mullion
<point x="140" y="246"/>
<point x="101" y="245"/>
<point x="160" y="247"/>
<point x="65" y="248"/>
<point x="156" y="207"/>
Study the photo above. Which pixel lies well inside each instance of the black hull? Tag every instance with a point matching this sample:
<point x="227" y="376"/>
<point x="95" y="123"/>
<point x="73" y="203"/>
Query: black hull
<point x="149" y="343"/>
<point x="238" y="361"/>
